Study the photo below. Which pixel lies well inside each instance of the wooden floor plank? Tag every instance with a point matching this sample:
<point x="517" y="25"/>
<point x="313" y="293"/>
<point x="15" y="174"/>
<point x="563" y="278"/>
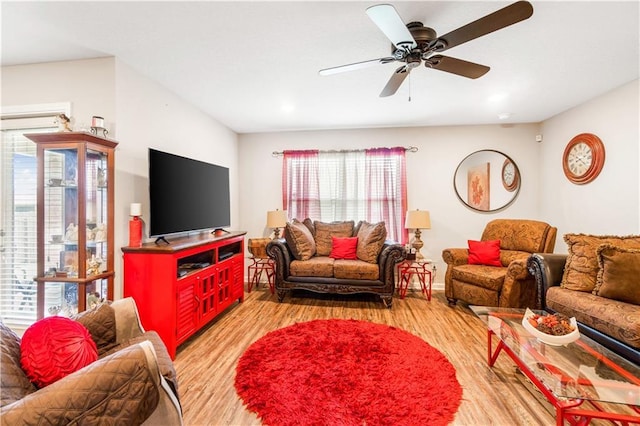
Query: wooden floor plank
<point x="206" y="363"/>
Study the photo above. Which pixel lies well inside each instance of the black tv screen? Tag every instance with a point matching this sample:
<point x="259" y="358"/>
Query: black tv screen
<point x="186" y="195"/>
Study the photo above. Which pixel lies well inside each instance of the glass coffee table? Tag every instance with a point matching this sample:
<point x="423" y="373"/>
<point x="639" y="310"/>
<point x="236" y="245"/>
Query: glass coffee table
<point x="570" y="375"/>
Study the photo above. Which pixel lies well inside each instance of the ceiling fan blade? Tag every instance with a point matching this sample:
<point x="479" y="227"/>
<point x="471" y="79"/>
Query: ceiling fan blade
<point x="456" y="66"/>
<point x="499" y="19"/>
<point x="387" y="19"/>
<point x="355" y="66"/>
<point x="395" y="81"/>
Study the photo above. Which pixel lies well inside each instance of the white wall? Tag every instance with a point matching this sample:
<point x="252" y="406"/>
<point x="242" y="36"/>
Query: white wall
<point x="87" y="84"/>
<point x="139" y="114"/>
<point x="429" y="174"/>
<point x="148" y="115"/>
<point x="610" y="204"/>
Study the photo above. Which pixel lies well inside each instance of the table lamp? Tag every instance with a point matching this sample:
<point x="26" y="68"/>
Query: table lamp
<point x="276" y="219"/>
<point x="417" y="219"/>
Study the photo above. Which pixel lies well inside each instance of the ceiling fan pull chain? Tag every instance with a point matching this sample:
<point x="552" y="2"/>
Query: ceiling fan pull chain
<point x="409" y="86"/>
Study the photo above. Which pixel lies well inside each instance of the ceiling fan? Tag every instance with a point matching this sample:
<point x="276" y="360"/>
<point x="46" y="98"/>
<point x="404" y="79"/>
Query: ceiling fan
<point x="414" y="43"/>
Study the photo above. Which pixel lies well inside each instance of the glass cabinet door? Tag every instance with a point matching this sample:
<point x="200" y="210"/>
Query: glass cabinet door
<point x="75" y="214"/>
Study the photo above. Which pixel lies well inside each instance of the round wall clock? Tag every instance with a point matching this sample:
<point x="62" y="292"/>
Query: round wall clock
<point x="583" y="158"/>
<point x="510" y="175"/>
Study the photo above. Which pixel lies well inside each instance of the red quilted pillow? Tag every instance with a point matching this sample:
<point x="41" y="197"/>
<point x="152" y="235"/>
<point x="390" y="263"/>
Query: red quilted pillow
<point x="55" y="347"/>
<point x="344" y="248"/>
<point x="484" y="253"/>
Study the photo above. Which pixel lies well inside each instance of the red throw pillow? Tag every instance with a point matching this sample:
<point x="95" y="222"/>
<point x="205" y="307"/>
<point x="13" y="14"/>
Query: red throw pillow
<point x="484" y="253"/>
<point x="344" y="248"/>
<point x="55" y="347"/>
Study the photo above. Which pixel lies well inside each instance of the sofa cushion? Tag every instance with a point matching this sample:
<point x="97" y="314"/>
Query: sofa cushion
<point x="355" y="270"/>
<point x="619" y="274"/>
<point x="318" y="266"/>
<point x="14" y="382"/>
<point x="300" y="240"/>
<point x="371" y="238"/>
<point x="55" y="347"/>
<point x="101" y="323"/>
<point x="484" y="252"/>
<point x="617" y="319"/>
<point x="488" y="277"/>
<point x="581" y="268"/>
<point x="344" y="248"/>
<point x="324" y="232"/>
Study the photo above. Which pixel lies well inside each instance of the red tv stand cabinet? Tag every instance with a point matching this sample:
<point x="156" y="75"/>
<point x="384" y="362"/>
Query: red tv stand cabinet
<point x="181" y="286"/>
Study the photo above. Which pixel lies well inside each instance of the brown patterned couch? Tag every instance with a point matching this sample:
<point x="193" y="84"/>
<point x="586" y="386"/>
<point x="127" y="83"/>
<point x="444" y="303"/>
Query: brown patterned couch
<point x="508" y="285"/>
<point x="133" y="381"/>
<point x="303" y="259"/>
<point x="598" y="283"/>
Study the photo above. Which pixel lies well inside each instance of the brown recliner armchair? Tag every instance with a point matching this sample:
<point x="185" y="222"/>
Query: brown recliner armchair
<point x="509" y="285"/>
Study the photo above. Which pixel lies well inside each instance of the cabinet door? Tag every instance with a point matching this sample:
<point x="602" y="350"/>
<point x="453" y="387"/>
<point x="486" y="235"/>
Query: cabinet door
<point x="208" y="294"/>
<point x="224" y="281"/>
<point x="238" y="278"/>
<point x="188" y="304"/>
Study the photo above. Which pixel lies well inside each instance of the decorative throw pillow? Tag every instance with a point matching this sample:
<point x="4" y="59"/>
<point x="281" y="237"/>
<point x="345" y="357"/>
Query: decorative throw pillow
<point x="324" y="232"/>
<point x="101" y="324"/>
<point x="581" y="268"/>
<point x="371" y="238"/>
<point x="618" y="274"/>
<point x="54" y="347"/>
<point x="309" y="224"/>
<point x="300" y="240"/>
<point x="344" y="248"/>
<point x="484" y="253"/>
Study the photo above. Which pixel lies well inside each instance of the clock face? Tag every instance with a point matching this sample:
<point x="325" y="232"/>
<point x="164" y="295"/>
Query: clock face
<point x="583" y="158"/>
<point x="579" y="159"/>
<point x="509" y="175"/>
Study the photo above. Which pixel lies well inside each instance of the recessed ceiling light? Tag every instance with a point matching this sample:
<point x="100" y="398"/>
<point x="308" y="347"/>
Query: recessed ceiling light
<point x="504" y="115"/>
<point x="497" y="97"/>
<point x="287" y="108"/>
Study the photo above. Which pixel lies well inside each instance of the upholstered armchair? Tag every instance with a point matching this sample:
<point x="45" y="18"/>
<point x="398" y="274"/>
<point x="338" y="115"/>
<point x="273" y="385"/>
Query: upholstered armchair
<point x="505" y="281"/>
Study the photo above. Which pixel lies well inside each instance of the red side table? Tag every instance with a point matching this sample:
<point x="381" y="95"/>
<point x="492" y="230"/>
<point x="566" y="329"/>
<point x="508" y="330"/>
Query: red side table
<point x="420" y="268"/>
<point x="257" y="268"/>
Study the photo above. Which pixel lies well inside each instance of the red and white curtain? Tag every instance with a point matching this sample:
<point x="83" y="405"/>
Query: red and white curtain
<point x="347" y="185"/>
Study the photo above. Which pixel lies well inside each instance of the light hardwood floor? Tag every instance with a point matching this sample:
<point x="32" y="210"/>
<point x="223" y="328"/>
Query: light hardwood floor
<point x="491" y="396"/>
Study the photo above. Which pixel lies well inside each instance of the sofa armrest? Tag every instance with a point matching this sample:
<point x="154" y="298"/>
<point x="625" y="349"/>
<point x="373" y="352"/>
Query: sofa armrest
<point x="455" y="256"/>
<point x="128" y="323"/>
<point x="278" y="250"/>
<point x="518" y="289"/>
<point x="390" y="254"/>
<point x="547" y="269"/>
<point x="123" y="388"/>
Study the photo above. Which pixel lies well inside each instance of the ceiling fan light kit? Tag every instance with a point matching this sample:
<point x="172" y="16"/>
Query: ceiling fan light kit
<point x="414" y="43"/>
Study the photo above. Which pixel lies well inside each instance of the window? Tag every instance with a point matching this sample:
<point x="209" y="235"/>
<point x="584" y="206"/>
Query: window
<point x="18" y="223"/>
<point x="347" y="185"/>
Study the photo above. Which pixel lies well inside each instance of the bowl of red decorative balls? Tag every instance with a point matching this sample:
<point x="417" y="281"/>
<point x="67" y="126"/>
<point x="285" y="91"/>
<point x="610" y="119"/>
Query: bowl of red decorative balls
<point x="552" y="329"/>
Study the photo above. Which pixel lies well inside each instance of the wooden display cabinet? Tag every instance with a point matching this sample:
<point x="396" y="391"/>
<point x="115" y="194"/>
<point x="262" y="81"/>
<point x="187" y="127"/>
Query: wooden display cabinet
<point x="181" y="286"/>
<point x="75" y="263"/>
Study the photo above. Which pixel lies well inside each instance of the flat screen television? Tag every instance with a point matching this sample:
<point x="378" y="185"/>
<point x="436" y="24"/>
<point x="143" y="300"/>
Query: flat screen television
<point x="186" y="195"/>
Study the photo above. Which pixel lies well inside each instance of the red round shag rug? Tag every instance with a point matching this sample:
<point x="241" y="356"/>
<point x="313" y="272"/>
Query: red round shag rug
<point x="347" y="372"/>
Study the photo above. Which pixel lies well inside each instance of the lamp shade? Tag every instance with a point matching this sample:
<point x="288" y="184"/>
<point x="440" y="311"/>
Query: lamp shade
<point x="135" y="209"/>
<point x="417" y="219"/>
<point x="276" y="219"/>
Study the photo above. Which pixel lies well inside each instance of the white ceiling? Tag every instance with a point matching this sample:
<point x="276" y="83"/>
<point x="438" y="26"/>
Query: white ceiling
<point x="254" y="65"/>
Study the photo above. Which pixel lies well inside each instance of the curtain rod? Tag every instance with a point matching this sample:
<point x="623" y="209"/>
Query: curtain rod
<point x="408" y="148"/>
